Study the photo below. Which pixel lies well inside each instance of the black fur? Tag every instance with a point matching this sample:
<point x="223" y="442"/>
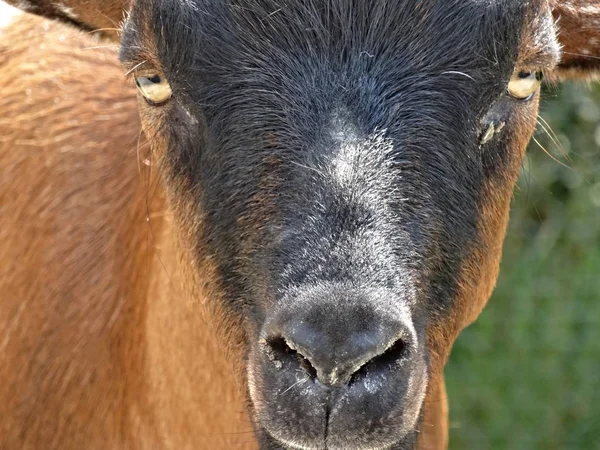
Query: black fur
<point x="333" y="146"/>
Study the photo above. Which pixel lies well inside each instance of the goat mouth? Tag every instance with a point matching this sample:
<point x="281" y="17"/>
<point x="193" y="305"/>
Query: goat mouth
<point x="406" y="443"/>
<point x="338" y="441"/>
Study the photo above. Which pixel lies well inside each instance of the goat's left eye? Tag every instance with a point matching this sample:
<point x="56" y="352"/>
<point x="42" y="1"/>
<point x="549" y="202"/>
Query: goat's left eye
<point x="523" y="84"/>
<point x="153" y="86"/>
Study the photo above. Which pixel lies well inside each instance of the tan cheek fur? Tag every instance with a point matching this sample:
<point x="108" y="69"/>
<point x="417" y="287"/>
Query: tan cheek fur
<point x="476" y="281"/>
<point x="102" y="344"/>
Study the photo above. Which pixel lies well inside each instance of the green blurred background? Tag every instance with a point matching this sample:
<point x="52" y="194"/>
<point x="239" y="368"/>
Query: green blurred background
<point x="526" y="375"/>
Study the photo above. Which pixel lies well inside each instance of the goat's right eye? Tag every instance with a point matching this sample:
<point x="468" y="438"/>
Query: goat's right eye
<point x="153" y="86"/>
<point x="523" y="84"/>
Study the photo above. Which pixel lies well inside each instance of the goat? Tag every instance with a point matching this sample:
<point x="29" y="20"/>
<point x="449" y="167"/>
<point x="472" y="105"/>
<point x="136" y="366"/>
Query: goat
<point x="321" y="213"/>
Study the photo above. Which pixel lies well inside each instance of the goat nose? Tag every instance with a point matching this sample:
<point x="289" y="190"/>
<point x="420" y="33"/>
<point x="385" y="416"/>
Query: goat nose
<point x="334" y="345"/>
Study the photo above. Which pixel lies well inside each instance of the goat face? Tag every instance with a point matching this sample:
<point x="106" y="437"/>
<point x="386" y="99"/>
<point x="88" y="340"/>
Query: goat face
<point x="345" y="168"/>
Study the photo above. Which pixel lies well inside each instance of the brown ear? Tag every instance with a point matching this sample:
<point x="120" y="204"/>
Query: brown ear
<point x="578" y="23"/>
<point x="104" y="16"/>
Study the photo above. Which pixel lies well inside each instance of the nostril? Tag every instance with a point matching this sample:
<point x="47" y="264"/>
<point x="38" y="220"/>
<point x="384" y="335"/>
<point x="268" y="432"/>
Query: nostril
<point x="389" y="359"/>
<point x="280" y="352"/>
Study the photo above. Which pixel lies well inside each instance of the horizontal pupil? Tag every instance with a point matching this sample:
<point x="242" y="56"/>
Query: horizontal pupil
<point x="524" y="74"/>
<point x="155" y="79"/>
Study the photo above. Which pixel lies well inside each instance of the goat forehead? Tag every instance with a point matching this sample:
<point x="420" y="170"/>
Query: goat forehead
<point x="224" y="47"/>
<point x="392" y="9"/>
<point x="310" y="26"/>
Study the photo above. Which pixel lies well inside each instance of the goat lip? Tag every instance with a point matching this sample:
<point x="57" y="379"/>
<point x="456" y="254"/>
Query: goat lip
<point x="402" y="444"/>
<point x="335" y="437"/>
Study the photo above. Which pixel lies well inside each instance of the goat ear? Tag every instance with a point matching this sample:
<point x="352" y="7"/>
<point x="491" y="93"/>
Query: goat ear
<point x="578" y="23"/>
<point x="103" y="16"/>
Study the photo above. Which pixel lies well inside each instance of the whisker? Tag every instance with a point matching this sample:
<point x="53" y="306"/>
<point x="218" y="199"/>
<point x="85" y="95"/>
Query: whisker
<point x="549" y="154"/>
<point x="456" y="72"/>
<point x="96" y="47"/>
<point x="554" y="138"/>
<point x="138" y="148"/>
<point x="581" y="54"/>
<point x="118" y="30"/>
<point x="309" y="168"/>
<point x="130" y="71"/>
<point x="301" y="381"/>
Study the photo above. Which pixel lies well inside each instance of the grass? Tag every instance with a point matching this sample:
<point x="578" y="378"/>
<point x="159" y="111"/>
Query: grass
<point x="526" y="376"/>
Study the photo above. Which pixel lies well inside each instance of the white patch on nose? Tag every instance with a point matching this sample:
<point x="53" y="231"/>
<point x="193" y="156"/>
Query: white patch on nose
<point x="346" y="134"/>
<point x="356" y="157"/>
<point x="342" y="164"/>
<point x="360" y="165"/>
<point x="8" y="13"/>
<point x="341" y="128"/>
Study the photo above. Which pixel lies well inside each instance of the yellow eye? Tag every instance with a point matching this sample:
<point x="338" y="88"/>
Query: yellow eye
<point x="153" y="86"/>
<point x="523" y="84"/>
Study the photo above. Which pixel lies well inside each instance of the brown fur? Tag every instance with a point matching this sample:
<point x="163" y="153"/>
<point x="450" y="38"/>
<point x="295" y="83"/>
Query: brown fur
<point x="480" y="270"/>
<point x="478" y="277"/>
<point x="101" y="346"/>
